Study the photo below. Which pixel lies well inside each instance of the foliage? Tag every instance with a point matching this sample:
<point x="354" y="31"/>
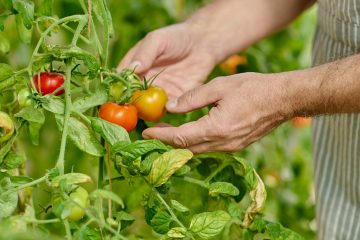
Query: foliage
<point x="140" y="183"/>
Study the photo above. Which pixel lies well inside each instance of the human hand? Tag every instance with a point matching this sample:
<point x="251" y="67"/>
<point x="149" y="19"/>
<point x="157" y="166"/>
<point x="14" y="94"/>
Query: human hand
<point x="247" y="107"/>
<point x="180" y="51"/>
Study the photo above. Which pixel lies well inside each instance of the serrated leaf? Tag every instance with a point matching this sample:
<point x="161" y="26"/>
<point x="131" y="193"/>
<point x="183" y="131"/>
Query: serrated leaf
<point x="112" y="133"/>
<point x="165" y="165"/>
<point x="209" y="224"/>
<point x="7" y="127"/>
<point x="25" y="8"/>
<point x="99" y="97"/>
<point x="45" y="8"/>
<point x="34" y="132"/>
<point x="24" y="33"/>
<point x="53" y="104"/>
<point x="13" y="160"/>
<point x="161" y="222"/>
<point x="131" y="151"/>
<point x="104" y="194"/>
<point x="179" y="207"/>
<point x="31" y="115"/>
<point x="6" y="71"/>
<point x="146" y="164"/>
<point x="223" y="188"/>
<point x="8" y="202"/>
<point x="4" y="45"/>
<point x="71" y="178"/>
<point x="82" y="137"/>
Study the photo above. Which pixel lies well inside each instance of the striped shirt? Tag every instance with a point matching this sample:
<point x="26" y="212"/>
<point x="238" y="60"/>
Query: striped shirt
<point x="337" y="138"/>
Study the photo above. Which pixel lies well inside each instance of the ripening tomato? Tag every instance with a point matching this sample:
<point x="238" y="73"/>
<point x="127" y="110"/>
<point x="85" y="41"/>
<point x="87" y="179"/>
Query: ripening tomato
<point x="49" y="83"/>
<point x="150" y="103"/>
<point x="116" y="90"/>
<point x="78" y="202"/>
<point x="125" y="116"/>
<point x="24" y="97"/>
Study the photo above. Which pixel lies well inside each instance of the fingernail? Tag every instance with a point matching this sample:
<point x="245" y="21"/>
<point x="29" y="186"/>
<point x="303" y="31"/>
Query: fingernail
<point x="135" y="64"/>
<point x="171" y="104"/>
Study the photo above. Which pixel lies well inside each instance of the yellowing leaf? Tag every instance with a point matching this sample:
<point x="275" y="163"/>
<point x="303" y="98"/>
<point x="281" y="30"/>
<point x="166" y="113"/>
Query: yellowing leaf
<point x="165" y="165"/>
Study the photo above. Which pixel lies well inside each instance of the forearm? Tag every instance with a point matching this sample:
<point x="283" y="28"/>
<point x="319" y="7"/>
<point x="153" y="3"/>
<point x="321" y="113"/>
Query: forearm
<point x="327" y="89"/>
<point x="227" y="26"/>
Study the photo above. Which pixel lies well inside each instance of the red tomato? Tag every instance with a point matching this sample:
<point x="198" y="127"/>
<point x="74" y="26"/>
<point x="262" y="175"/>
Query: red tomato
<point x="49" y="82"/>
<point x="150" y="103"/>
<point x="125" y="116"/>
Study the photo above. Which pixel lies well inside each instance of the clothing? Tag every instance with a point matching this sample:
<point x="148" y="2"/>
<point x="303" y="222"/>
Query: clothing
<point x="336" y="138"/>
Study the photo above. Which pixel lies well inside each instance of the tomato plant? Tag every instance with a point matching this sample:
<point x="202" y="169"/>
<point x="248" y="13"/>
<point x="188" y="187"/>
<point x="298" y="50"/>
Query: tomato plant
<point x="226" y="193"/>
<point x="122" y="115"/>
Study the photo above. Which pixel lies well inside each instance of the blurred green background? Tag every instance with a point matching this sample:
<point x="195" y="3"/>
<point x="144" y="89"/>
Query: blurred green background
<point x="283" y="159"/>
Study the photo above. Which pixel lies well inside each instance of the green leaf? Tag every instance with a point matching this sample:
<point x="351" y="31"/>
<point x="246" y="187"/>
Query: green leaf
<point x="13" y="160"/>
<point x="131" y="151"/>
<point x="7" y="127"/>
<point x="104" y="194"/>
<point x="177" y="232"/>
<point x="25" y="8"/>
<point x="274" y="230"/>
<point x="125" y="218"/>
<point x="99" y="97"/>
<point x="223" y="188"/>
<point x="165" y="165"/>
<point x="71" y="178"/>
<point x="20" y="180"/>
<point x="161" y="222"/>
<point x="53" y="104"/>
<point x="31" y="115"/>
<point x="112" y="133"/>
<point x="4" y="45"/>
<point x="45" y="8"/>
<point x="87" y="233"/>
<point x="6" y="71"/>
<point x="146" y="164"/>
<point x="179" y="207"/>
<point x="3" y="18"/>
<point x="82" y="136"/>
<point x="183" y="171"/>
<point x="34" y="132"/>
<point x="8" y="202"/>
<point x="6" y="148"/>
<point x="24" y="33"/>
<point x="209" y="224"/>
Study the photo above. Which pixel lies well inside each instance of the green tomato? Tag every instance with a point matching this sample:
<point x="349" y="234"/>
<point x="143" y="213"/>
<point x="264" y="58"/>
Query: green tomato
<point x="24" y="97"/>
<point x="116" y="90"/>
<point x="6" y="127"/>
<point x="78" y="202"/>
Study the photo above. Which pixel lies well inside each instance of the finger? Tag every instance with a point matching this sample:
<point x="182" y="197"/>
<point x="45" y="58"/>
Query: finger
<point x="128" y="60"/>
<point x="152" y="46"/>
<point x="186" y="135"/>
<point x="194" y="99"/>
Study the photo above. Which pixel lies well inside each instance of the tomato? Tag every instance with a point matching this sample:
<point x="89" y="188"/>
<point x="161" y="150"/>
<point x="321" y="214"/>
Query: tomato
<point x="116" y="90"/>
<point x="24" y="97"/>
<point x="150" y="103"/>
<point x="6" y="127"/>
<point x="49" y="83"/>
<point x="122" y="115"/>
<point x="78" y="202"/>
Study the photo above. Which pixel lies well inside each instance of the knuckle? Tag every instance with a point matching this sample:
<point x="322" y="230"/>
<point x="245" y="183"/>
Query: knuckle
<point x="231" y="146"/>
<point x="180" y="141"/>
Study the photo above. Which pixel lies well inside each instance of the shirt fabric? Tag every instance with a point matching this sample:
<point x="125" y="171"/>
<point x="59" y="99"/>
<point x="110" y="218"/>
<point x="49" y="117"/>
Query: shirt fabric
<point x="336" y="138"/>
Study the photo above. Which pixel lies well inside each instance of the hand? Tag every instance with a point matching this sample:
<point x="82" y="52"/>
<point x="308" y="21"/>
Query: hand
<point x="247" y="107"/>
<point x="177" y="49"/>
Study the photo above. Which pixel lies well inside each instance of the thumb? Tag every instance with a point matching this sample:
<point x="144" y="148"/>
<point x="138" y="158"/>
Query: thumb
<point x="194" y="99"/>
<point x="149" y="50"/>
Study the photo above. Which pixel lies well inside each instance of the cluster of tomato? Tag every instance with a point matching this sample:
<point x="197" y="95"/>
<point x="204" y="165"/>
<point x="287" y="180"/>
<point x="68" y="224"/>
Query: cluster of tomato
<point x="147" y="103"/>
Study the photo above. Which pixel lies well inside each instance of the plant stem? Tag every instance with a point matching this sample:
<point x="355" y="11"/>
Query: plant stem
<point x="68" y="105"/>
<point x="109" y="176"/>
<point x="33" y="183"/>
<point x="101" y="173"/>
<point x="77" y="34"/>
<point x="67" y="229"/>
<point x="162" y="200"/>
<point x="196" y="181"/>
<point x="46" y="221"/>
<point x="214" y="173"/>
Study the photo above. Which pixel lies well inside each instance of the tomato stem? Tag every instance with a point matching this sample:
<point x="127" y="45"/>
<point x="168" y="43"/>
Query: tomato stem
<point x="109" y="176"/>
<point x="67" y="229"/>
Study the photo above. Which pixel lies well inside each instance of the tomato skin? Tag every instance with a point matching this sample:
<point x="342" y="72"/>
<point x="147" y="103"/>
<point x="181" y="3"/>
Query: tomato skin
<point x="150" y="103"/>
<point x="24" y="97"/>
<point x="79" y="200"/>
<point x="49" y="83"/>
<point x="125" y="116"/>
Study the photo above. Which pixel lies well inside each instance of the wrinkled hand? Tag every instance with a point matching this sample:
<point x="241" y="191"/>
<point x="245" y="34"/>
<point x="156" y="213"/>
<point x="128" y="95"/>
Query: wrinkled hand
<point x="180" y="51"/>
<point x="247" y="107"/>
